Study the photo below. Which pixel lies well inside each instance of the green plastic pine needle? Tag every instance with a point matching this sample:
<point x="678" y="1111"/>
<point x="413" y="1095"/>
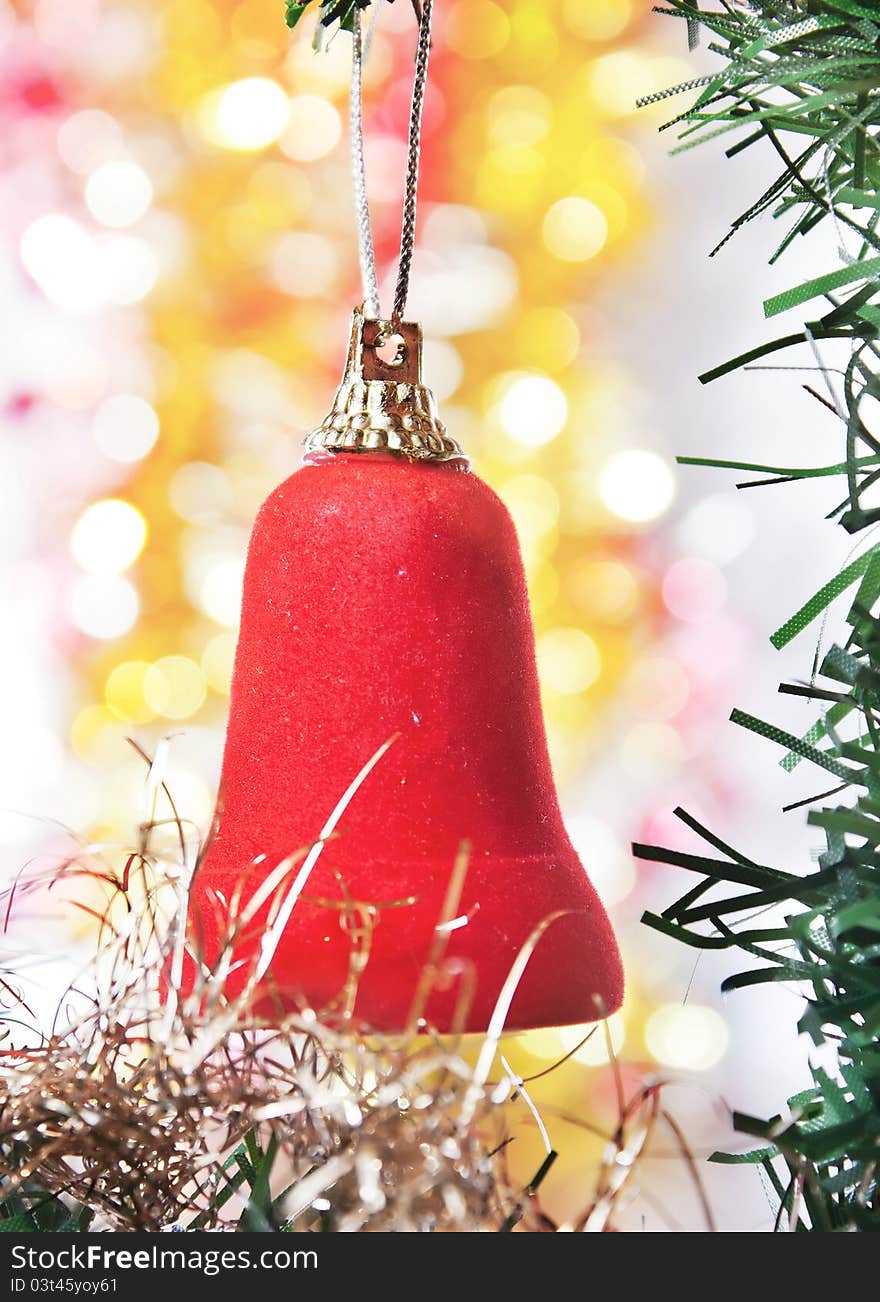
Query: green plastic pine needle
<point x="802" y="81"/>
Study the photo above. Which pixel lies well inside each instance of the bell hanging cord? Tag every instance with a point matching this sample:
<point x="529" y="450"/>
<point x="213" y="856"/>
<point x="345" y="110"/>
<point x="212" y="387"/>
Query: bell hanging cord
<point x="408" y="227"/>
<point x="382" y="405"/>
<point x="366" y="246"/>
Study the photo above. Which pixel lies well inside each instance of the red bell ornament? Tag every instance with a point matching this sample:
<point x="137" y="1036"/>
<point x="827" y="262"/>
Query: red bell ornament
<point x="384" y="597"/>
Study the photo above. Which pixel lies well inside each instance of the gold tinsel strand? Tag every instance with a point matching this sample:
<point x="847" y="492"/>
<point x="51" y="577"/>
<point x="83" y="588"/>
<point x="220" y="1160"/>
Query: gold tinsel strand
<point x="155" y="1101"/>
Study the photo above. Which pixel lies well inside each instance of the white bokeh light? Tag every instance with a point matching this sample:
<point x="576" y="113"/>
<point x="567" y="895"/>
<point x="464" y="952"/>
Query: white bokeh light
<point x="443" y="366"/>
<point x="89" y="138"/>
<point x="533" y="410"/>
<point x="313" y="128"/>
<point x="65" y="262"/>
<point x="220" y="592"/>
<point x="719" y="528"/>
<point x="118" y="193"/>
<point x="199" y="492"/>
<point x="606" y="859"/>
<point x="190" y="792"/>
<point x="459" y="286"/>
<point x="125" y="427"/>
<point x="249" y="114"/>
<point x="108" y="536"/>
<point x="636" y="485"/>
<point x="104" y="605"/>
<point x="131" y="268"/>
<point x="304" y="265"/>
<point x="689" y="1037"/>
<point x="81" y="273"/>
<point x="651" y="750"/>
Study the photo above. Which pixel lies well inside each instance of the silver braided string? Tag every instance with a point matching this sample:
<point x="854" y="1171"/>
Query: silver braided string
<point x="366" y="249"/>
<point x="408" y="227"/>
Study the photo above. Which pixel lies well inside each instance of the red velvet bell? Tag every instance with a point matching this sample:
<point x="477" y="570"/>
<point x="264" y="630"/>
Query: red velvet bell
<point x="385" y="597"/>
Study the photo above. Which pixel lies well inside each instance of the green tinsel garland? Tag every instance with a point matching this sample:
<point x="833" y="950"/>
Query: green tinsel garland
<point x="803" y="79"/>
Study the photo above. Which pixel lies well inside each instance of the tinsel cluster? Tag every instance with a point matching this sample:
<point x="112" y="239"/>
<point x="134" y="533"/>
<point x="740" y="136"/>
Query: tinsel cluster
<point x="155" y="1102"/>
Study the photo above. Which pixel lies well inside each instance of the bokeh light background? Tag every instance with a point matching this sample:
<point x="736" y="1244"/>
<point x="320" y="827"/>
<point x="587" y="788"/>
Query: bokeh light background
<point x="178" y="269"/>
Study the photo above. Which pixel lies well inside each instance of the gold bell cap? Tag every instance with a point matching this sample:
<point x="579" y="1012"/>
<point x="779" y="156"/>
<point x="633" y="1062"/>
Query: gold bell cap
<point x="381" y="404"/>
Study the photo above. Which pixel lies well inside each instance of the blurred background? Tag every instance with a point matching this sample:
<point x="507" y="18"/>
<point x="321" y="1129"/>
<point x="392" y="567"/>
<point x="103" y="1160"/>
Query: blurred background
<point x="178" y="267"/>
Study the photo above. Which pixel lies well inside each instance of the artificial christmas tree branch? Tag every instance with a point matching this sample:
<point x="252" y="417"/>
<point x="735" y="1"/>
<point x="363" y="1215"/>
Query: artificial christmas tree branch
<point x="803" y="79"/>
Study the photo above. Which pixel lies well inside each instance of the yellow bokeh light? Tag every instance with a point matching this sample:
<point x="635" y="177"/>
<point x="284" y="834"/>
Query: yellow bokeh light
<point x="574" y="229"/>
<point x="108" y="536"/>
<point x="314" y="128"/>
<point x="595" y="1053"/>
<point x="511" y="180"/>
<point x="523" y="162"/>
<point x="543" y="1043"/>
<point x="549" y="338"/>
<point x="534" y="43"/>
<point x="605" y="589"/>
<point x="477" y="29"/>
<point x="688" y="1037"/>
<point x="553" y="1043"/>
<point x="248" y="114"/>
<point x="174" y="687"/>
<point x="534" y="504"/>
<point x="93" y="734"/>
<point x="252" y="23"/>
<point x="218" y="658"/>
<point x="124" y="692"/>
<point x="615" y="161"/>
<point x="331" y="72"/>
<point x="597" y="20"/>
<point x="619" y="79"/>
<point x="543" y="581"/>
<point x="568" y="660"/>
<point x="533" y="409"/>
<point x="519" y="116"/>
<point x="611" y="204"/>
